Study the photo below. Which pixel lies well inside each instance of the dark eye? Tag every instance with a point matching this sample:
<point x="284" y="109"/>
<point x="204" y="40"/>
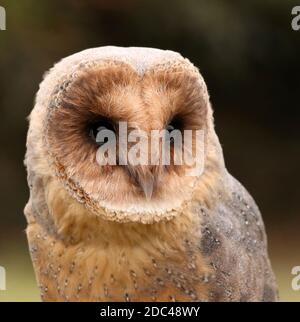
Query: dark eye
<point x="173" y="125"/>
<point x="170" y="128"/>
<point x="96" y="127"/>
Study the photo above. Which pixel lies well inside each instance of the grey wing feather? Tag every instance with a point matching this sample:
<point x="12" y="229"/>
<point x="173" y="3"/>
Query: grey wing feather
<point x="234" y="242"/>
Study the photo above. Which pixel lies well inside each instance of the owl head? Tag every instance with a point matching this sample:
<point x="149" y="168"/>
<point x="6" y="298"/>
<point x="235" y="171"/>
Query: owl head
<point x="148" y="90"/>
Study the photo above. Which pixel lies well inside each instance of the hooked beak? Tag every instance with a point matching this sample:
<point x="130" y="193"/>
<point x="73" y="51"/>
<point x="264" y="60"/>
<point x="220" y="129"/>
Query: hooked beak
<point x="146" y="178"/>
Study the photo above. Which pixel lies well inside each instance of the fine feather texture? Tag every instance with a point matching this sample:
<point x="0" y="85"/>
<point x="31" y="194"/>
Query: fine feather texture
<point x="89" y="259"/>
<point x="92" y="233"/>
<point x="114" y="90"/>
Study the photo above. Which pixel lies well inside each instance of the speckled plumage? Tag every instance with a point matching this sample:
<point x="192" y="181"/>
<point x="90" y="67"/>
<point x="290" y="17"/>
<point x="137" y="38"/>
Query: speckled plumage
<point x="198" y="239"/>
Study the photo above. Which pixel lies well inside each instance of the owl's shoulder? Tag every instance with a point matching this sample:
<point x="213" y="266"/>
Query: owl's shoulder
<point x="233" y="241"/>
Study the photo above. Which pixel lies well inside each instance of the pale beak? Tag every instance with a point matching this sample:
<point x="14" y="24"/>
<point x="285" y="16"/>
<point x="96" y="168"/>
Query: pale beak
<point x="145" y="177"/>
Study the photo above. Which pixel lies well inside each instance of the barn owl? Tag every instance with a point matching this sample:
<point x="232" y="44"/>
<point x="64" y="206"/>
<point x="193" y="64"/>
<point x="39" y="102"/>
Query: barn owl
<point x="96" y="233"/>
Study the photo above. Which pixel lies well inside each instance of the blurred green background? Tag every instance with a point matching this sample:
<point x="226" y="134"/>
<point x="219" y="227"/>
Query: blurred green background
<point x="249" y="57"/>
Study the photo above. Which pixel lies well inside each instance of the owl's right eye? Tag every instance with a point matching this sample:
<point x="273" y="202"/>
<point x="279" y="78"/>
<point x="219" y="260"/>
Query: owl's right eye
<point x="97" y="127"/>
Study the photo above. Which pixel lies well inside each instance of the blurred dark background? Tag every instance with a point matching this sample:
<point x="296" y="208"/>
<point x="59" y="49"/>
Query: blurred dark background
<point x="249" y="57"/>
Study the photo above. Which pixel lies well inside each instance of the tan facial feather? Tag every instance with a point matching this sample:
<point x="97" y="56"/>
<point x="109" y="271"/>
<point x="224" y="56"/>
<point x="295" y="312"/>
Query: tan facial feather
<point x="147" y="102"/>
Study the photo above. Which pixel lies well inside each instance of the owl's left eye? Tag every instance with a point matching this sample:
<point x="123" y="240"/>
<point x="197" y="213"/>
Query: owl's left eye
<point x="174" y="124"/>
<point x="170" y="127"/>
<point x="96" y="127"/>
